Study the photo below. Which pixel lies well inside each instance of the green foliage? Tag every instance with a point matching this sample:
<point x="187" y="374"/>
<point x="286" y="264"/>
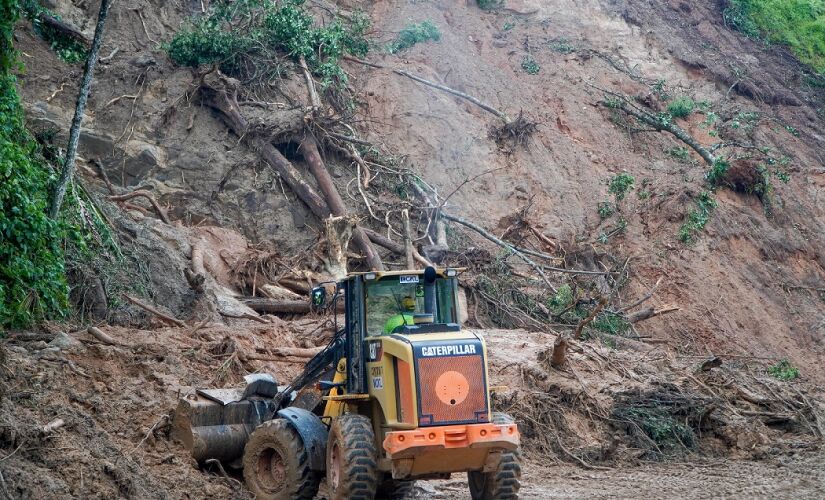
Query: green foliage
<point x="610" y="323"/>
<point x="697" y="218"/>
<point x="681" y="107"/>
<point x="562" y="46"/>
<point x="414" y="33"/>
<point x="561" y="300"/>
<point x="667" y="431"/>
<point x="717" y="172"/>
<point x="620" y="184"/>
<point x="490" y="4"/>
<point x="232" y="31"/>
<point x="660" y="89"/>
<point x="606" y="209"/>
<point x="799" y="24"/>
<point x="679" y="152"/>
<point x="783" y="370"/>
<point x="66" y="47"/>
<point x="32" y="277"/>
<point x="530" y="65"/>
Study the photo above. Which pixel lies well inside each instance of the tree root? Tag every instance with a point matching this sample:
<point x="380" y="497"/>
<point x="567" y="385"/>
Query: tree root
<point x="144" y="194"/>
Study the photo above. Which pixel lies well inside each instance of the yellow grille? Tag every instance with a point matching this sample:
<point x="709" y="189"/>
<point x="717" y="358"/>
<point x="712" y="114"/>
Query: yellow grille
<point x="452" y="390"/>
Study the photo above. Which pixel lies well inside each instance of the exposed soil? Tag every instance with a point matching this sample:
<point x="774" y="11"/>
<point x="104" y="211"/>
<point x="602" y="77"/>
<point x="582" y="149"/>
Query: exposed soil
<point x="750" y="291"/>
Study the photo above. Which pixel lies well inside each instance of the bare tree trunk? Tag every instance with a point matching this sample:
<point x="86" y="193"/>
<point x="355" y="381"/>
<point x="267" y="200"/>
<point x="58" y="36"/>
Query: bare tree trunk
<point x="74" y="133"/>
<point x="559" y="356"/>
<point x="408" y="246"/>
<point x="309" y="148"/>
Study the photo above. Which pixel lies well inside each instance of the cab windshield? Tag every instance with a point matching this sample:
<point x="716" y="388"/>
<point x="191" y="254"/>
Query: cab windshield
<point x="394" y="301"/>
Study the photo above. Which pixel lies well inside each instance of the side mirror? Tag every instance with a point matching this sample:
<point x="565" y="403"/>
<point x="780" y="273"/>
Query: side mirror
<point x="318" y="298"/>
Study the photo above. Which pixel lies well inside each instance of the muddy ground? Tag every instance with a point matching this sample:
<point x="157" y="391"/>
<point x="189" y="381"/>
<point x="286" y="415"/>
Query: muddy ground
<point x="116" y="402"/>
<point x="749" y="291"/>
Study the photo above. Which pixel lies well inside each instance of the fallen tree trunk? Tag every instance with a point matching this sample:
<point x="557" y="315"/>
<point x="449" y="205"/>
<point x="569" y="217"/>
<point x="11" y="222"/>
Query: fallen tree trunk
<point x="650" y="312"/>
<point x="298" y="352"/>
<point x="164" y="317"/>
<point x="270" y="306"/>
<point x="222" y="95"/>
<point x="381" y="240"/>
<point x="309" y="148"/>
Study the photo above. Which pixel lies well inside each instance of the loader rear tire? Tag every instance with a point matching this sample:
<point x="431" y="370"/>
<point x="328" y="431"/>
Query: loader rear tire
<point x="275" y="464"/>
<point x="502" y="483"/>
<point x="352" y="470"/>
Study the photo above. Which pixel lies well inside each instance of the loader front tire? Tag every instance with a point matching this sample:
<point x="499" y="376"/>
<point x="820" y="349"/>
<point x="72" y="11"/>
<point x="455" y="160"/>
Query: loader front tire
<point x="352" y="470"/>
<point x="502" y="483"/>
<point x="275" y="464"/>
<point x="395" y="489"/>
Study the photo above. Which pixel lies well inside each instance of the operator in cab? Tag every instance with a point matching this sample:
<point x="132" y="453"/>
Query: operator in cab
<point x="404" y="318"/>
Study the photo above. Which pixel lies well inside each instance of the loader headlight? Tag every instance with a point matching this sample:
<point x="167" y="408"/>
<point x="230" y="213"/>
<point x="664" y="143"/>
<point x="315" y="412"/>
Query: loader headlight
<point x="451" y="273"/>
<point x="370" y="276"/>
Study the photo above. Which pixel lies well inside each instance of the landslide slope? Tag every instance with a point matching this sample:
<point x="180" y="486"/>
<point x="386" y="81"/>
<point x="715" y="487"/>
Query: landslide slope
<point x="753" y="281"/>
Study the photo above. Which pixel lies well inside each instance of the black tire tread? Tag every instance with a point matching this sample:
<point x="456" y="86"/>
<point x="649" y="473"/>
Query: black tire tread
<point x="359" y="479"/>
<point x="505" y="482"/>
<point x="302" y="481"/>
<point x="395" y="489"/>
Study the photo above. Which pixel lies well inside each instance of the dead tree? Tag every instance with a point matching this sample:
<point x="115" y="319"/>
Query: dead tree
<point x="221" y="94"/>
<point x="74" y="133"/>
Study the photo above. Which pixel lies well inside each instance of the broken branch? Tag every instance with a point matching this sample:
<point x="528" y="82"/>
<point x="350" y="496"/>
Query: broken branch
<point x="164" y="317"/>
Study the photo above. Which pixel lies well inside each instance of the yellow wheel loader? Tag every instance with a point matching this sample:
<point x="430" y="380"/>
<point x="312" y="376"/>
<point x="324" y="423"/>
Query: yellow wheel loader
<point x="404" y="396"/>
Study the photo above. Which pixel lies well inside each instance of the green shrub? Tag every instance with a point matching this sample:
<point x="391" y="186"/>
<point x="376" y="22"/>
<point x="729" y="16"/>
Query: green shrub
<point x="610" y="323"/>
<point x="681" y="107"/>
<point x="783" y="370"/>
<point x="414" y="33"/>
<point x="717" y="172"/>
<point x="32" y="276"/>
<point x="606" y="209"/>
<point x="232" y="31"/>
<point x="66" y="47"/>
<point x="562" y="46"/>
<point x="530" y="65"/>
<point x="698" y="218"/>
<point x="620" y="184"/>
<point x="799" y="24"/>
<point x="490" y="4"/>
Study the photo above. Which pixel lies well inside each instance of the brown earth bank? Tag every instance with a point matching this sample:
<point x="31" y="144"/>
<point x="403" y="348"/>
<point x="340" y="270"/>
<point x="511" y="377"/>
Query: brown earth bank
<point x="619" y="415"/>
<point x="685" y="408"/>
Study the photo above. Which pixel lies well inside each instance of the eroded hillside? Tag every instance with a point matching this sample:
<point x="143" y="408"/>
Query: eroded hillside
<point x="727" y="254"/>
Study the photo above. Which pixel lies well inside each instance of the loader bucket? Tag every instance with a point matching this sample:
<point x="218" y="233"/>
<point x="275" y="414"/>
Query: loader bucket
<point x="216" y="423"/>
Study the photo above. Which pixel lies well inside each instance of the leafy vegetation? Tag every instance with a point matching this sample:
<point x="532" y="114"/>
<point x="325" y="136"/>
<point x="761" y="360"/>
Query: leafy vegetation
<point x="620" y="184"/>
<point x="698" y="218"/>
<point x="562" y="46"/>
<point x="783" y="370"/>
<point x="32" y="277"/>
<point x="490" y="4"/>
<point x="613" y="324"/>
<point x="530" y="65"/>
<point x="681" y="107"/>
<point x="232" y="31"/>
<point x="606" y="209"/>
<point x="66" y="48"/>
<point x="413" y="34"/>
<point x="799" y="24"/>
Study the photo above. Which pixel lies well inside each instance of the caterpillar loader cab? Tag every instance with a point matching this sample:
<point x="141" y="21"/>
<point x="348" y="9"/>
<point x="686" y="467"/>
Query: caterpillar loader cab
<point x="405" y="396"/>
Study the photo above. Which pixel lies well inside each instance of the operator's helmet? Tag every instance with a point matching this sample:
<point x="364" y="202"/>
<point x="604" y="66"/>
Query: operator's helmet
<point x="408" y="303"/>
